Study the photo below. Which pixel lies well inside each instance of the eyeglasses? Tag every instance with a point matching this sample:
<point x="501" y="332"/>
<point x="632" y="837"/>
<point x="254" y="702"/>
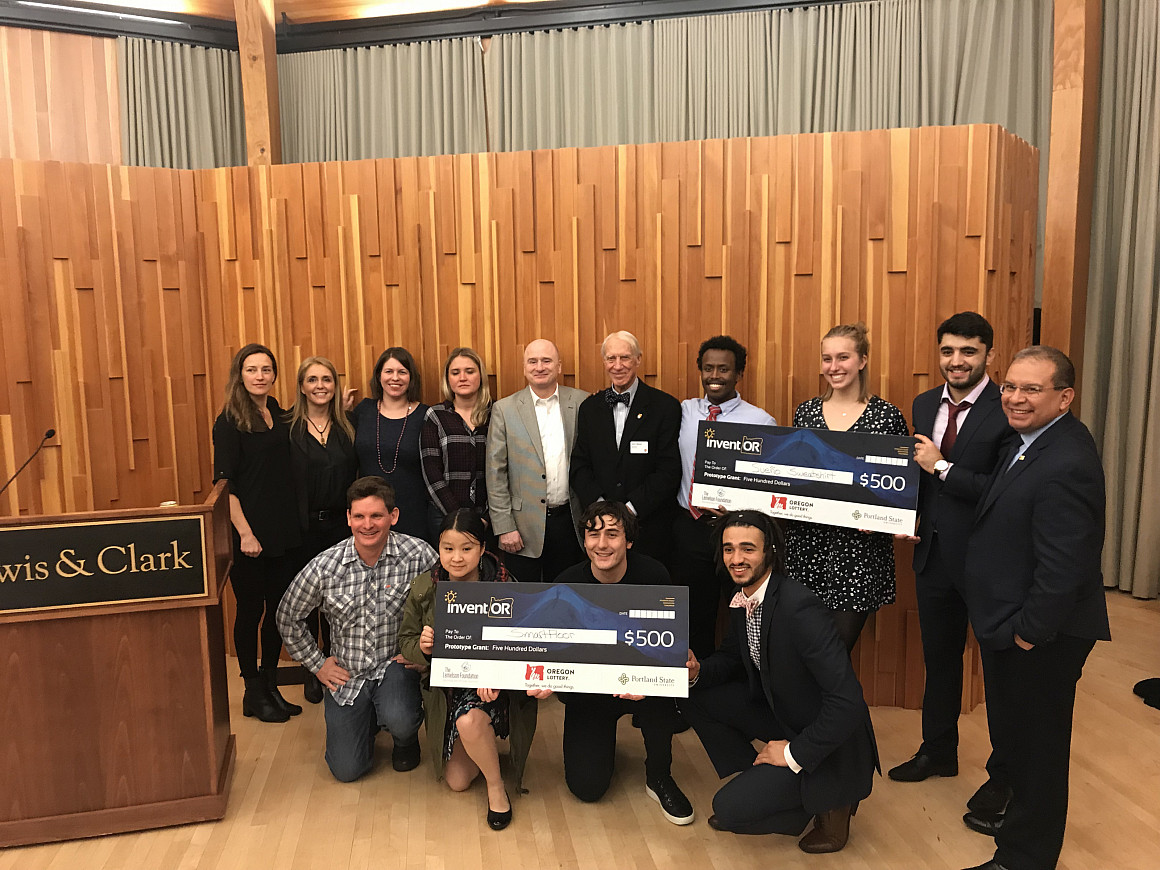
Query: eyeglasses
<point x="1029" y="390"/>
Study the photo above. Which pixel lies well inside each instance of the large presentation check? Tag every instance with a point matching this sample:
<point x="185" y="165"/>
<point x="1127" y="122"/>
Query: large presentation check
<point x="853" y="479"/>
<point x="600" y="638"/>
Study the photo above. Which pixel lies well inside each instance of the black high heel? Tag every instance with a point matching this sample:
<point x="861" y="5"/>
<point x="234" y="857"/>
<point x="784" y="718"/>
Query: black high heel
<point x="498" y="821"/>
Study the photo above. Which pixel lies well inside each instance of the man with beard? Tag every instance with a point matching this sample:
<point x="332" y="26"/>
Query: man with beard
<point x="959" y="427"/>
<point x="721" y="362"/>
<point x="782" y="675"/>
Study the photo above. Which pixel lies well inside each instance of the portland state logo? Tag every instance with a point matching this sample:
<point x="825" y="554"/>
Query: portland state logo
<point x="857" y="515"/>
<point x="622" y="679"/>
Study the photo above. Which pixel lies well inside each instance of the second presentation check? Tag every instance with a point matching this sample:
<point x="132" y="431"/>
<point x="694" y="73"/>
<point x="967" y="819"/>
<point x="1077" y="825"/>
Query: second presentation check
<point x="600" y="638"/>
<point x="859" y="480"/>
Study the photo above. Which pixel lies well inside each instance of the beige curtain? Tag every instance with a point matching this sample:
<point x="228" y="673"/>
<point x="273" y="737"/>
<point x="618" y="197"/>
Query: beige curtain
<point x="181" y="105"/>
<point x="382" y="101"/>
<point x="1121" y="378"/>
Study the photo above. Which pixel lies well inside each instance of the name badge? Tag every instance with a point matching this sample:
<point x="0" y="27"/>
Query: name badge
<point x="638" y="447"/>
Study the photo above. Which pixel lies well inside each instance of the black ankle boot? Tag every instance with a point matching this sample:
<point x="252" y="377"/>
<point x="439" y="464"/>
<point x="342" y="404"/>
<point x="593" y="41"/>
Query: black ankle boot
<point x="258" y="702"/>
<point x="270" y="675"/>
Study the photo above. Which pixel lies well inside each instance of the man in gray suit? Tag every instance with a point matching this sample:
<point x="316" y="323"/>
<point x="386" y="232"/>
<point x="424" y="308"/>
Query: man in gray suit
<point x="529" y="442"/>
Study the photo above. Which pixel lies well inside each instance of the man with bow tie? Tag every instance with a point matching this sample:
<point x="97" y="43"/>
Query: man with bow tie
<point x="781" y="676"/>
<point x="626" y="446"/>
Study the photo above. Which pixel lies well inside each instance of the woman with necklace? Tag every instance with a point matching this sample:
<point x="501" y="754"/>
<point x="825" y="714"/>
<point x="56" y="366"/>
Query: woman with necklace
<point x="454" y="439"/>
<point x="851" y="571"/>
<point x="387" y="428"/>
<point x="463" y="724"/>
<point x="325" y="465"/>
<point x="251" y="447"/>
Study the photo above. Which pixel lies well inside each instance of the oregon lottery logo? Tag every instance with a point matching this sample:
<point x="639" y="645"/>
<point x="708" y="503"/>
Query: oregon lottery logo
<point x="534" y="672"/>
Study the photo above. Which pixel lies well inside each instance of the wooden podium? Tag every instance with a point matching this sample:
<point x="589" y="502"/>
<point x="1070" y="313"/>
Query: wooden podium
<point x="112" y="671"/>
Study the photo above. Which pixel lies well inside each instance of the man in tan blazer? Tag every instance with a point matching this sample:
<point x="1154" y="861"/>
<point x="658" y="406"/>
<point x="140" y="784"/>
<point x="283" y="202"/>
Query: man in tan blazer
<point x="529" y="444"/>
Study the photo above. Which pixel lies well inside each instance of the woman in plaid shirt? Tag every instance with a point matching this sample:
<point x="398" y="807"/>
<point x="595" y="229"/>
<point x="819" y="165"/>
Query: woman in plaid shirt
<point x="453" y="443"/>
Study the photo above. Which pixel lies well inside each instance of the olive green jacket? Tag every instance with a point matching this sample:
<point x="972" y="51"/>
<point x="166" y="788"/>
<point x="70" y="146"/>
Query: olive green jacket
<point x="418" y="612"/>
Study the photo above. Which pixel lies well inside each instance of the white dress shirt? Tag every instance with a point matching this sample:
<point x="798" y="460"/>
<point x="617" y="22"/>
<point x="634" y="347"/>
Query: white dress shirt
<point x="942" y="415"/>
<point x="620" y="411"/>
<point x="552" y="440"/>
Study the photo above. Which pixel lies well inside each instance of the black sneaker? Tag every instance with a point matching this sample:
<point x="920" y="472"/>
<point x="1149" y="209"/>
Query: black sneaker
<point x="674" y="804"/>
<point x="404" y="758"/>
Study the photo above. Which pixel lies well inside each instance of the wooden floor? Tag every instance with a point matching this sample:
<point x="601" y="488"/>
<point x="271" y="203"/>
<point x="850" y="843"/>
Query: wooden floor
<point x="287" y="812"/>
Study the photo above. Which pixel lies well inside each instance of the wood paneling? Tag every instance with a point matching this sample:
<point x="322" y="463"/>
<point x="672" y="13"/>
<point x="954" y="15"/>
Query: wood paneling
<point x="259" y="64"/>
<point x="59" y="97"/>
<point x="1075" y="98"/>
<point x="122" y="311"/>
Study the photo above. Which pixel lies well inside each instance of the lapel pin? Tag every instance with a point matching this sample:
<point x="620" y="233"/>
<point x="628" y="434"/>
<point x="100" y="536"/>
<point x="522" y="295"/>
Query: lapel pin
<point x="638" y="416"/>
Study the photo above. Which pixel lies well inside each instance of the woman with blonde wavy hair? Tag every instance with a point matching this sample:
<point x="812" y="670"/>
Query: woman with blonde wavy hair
<point x="453" y="443"/>
<point x="851" y="571"/>
<point x="325" y="464"/>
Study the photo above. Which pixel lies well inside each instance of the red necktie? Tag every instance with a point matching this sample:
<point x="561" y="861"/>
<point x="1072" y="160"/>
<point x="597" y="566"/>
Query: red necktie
<point x="714" y="412"/>
<point x="948" y="439"/>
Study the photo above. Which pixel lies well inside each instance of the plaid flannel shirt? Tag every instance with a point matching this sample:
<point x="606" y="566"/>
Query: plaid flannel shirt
<point x="453" y="460"/>
<point x="364" y="605"/>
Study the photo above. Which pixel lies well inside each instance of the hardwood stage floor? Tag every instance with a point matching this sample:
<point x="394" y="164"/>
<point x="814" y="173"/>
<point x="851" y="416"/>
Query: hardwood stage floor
<point x="286" y="811"/>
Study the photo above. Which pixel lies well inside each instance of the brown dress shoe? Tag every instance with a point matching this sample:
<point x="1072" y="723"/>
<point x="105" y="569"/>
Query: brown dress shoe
<point x="830" y="832"/>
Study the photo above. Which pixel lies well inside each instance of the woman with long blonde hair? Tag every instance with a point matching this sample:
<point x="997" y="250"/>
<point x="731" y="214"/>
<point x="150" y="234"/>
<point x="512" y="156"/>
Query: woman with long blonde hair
<point x="454" y="438"/>
<point x="325" y="464"/>
<point x="851" y="571"/>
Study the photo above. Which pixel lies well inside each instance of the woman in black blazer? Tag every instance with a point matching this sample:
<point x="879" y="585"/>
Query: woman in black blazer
<point x="251" y="445"/>
<point x="325" y="464"/>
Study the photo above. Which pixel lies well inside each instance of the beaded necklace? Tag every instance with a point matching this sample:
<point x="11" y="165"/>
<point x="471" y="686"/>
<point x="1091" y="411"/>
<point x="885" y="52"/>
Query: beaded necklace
<point x="398" y="444"/>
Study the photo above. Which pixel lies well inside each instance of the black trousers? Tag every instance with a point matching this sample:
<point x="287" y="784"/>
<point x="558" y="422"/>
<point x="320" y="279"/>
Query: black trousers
<point x="692" y="563"/>
<point x="561" y="550"/>
<point x="259" y="584"/>
<point x="761" y="799"/>
<point x="590" y="740"/>
<point x="1030" y="701"/>
<point x="942" y="618"/>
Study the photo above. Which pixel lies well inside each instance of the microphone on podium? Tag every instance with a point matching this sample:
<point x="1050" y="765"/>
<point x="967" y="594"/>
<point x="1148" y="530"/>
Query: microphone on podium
<point x="49" y="433"/>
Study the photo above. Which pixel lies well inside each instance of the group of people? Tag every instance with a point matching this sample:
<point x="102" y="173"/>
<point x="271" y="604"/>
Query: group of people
<point x="348" y="517"/>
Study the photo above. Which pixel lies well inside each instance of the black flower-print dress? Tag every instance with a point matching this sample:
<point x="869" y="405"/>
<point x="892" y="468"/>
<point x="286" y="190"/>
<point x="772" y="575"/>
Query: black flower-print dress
<point x="848" y="569"/>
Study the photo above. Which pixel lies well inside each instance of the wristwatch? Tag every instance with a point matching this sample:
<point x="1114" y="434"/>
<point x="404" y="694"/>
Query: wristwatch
<point x="941" y="466"/>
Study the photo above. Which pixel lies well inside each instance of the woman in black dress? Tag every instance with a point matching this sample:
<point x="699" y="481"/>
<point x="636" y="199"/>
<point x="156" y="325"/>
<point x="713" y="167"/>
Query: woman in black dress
<point x="387" y="428"/>
<point x="251" y="447"/>
<point x="325" y="464"/>
<point x="454" y="438"/>
<point x="851" y="571"/>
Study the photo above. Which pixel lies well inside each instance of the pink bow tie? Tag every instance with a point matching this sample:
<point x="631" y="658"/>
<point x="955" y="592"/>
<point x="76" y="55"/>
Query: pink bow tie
<point x="750" y="603"/>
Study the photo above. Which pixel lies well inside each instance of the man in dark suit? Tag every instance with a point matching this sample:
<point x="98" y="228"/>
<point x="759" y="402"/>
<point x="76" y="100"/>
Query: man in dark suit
<point x="959" y="427"/>
<point x="1036" y="599"/>
<point x="626" y="446"/>
<point x="783" y="676"/>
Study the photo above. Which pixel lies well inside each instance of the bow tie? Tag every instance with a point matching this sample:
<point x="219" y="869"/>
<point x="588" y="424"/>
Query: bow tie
<point x="750" y="603"/>
<point x="614" y="398"/>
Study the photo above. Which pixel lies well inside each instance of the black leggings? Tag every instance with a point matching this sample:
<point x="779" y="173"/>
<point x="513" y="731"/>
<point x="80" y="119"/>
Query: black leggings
<point x="850" y="624"/>
<point x="259" y="584"/>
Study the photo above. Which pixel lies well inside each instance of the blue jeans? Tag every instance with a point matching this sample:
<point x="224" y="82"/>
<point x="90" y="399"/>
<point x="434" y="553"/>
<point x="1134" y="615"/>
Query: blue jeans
<point x="393" y="703"/>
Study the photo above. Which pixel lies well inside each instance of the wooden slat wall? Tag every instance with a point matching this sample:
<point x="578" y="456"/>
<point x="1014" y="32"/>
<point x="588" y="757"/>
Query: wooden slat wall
<point x="121" y="312"/>
<point x="59" y="97"/>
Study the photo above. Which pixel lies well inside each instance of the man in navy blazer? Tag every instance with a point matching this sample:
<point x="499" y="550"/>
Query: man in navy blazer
<point x="782" y="676"/>
<point x="1036" y="599"/>
<point x="626" y="446"/>
<point x="960" y="429"/>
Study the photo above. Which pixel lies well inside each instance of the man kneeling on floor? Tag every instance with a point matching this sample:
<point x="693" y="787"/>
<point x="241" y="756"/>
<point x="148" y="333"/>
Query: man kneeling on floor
<point x="361" y="586"/>
<point x="609" y="530"/>
<point x="782" y="676"/>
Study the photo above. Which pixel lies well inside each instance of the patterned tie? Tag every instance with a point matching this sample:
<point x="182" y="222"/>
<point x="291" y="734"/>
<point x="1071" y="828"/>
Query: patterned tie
<point x="614" y="398"/>
<point x="752" y="623"/>
<point x="749" y="602"/>
<point x="948" y="439"/>
<point x="714" y="413"/>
